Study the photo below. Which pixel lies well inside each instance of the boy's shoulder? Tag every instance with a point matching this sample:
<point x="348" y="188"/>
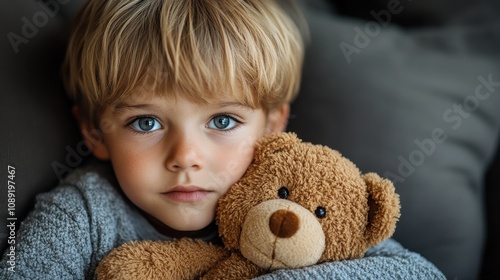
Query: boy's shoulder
<point x="93" y="177"/>
<point x="91" y="197"/>
<point x="93" y="184"/>
<point x="92" y="173"/>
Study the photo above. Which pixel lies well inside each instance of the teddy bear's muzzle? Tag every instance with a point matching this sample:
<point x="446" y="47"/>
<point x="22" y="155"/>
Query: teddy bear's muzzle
<point x="281" y="234"/>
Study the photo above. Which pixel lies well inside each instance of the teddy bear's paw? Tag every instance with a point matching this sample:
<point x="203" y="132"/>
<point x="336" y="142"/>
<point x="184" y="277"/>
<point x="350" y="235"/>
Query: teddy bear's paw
<point x="235" y="267"/>
<point x="180" y="259"/>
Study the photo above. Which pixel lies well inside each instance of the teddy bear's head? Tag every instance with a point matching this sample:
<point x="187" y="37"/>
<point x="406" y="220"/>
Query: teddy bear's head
<point x="299" y="204"/>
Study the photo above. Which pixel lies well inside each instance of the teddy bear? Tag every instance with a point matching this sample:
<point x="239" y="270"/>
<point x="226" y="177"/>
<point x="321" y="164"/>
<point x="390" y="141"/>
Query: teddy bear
<point x="298" y="204"/>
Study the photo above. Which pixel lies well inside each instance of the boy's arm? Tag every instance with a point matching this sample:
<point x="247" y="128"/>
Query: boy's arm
<point x="389" y="260"/>
<point x="52" y="243"/>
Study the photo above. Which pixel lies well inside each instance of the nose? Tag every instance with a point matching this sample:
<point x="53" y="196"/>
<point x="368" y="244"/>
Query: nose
<point x="183" y="155"/>
<point x="284" y="223"/>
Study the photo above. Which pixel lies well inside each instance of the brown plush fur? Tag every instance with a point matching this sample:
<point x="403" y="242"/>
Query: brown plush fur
<point x="183" y="259"/>
<point x="361" y="211"/>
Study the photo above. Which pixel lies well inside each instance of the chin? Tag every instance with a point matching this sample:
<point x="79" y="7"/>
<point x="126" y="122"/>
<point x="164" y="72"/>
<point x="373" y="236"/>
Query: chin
<point x="195" y="227"/>
<point x="191" y="225"/>
<point x="199" y="230"/>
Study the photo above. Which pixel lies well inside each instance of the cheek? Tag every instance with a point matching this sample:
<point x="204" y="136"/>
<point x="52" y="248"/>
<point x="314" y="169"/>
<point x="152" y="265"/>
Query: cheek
<point x="235" y="162"/>
<point x="128" y="173"/>
<point x="132" y="167"/>
<point x="237" y="156"/>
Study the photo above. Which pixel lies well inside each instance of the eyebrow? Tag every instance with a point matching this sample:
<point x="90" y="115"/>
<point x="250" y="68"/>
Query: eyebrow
<point x="235" y="105"/>
<point x="121" y="106"/>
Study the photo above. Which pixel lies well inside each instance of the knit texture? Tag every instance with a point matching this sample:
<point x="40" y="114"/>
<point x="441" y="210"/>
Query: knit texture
<point x="74" y="226"/>
<point x="388" y="261"/>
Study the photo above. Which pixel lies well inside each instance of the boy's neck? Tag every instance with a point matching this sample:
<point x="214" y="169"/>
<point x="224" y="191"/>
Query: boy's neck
<point x="208" y="233"/>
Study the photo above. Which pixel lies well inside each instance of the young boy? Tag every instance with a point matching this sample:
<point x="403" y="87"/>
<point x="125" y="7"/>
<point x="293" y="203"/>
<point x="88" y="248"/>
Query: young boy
<point x="171" y="97"/>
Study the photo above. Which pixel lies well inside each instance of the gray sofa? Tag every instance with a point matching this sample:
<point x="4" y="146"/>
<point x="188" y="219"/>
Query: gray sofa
<point x="408" y="89"/>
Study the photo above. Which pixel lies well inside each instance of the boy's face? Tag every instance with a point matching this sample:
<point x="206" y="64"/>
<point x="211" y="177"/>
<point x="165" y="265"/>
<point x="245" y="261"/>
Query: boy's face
<point x="174" y="158"/>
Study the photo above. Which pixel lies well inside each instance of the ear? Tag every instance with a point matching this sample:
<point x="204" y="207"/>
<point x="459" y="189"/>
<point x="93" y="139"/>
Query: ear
<point x="275" y="143"/>
<point x="93" y="137"/>
<point x="384" y="208"/>
<point x="277" y="119"/>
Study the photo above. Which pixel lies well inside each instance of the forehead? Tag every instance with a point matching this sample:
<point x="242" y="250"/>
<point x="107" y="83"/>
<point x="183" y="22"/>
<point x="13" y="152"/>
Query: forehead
<point x="148" y="99"/>
<point x="149" y="89"/>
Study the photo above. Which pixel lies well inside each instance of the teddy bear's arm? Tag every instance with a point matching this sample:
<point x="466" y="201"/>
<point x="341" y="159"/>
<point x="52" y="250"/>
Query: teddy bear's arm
<point x="233" y="267"/>
<point x="181" y="259"/>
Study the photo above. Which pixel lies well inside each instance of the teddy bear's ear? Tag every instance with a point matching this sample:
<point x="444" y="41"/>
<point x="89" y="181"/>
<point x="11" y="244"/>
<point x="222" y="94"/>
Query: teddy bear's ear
<point x="275" y="142"/>
<point x="384" y="208"/>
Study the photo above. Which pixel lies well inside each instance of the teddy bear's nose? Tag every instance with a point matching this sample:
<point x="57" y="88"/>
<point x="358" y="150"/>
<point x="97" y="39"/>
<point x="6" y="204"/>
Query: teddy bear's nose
<point x="284" y="223"/>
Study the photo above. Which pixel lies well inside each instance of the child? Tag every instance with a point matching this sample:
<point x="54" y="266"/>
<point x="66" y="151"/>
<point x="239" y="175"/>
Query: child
<point x="173" y="95"/>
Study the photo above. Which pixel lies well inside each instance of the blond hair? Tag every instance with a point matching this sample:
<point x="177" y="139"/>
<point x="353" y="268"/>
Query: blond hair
<point x="203" y="50"/>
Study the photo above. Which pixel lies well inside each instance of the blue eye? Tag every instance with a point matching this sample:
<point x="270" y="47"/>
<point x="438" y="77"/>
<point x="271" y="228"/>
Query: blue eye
<point x="145" y="124"/>
<point x="222" y="122"/>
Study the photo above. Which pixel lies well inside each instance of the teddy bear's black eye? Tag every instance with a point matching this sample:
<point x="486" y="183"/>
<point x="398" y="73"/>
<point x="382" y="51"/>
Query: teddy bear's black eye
<point x="320" y="212"/>
<point x="283" y="192"/>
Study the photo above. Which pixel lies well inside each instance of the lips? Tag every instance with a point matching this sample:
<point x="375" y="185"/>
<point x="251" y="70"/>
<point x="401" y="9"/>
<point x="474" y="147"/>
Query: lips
<point x="186" y="194"/>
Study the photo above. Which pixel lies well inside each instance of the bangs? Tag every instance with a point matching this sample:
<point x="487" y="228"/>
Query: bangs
<point x="205" y="51"/>
<point x="199" y="87"/>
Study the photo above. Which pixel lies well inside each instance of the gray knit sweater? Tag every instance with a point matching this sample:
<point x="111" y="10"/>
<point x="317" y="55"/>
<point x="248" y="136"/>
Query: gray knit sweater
<point x="74" y="226"/>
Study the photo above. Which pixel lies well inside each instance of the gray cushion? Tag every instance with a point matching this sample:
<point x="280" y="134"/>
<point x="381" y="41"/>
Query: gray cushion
<point x="414" y="13"/>
<point x="391" y="107"/>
